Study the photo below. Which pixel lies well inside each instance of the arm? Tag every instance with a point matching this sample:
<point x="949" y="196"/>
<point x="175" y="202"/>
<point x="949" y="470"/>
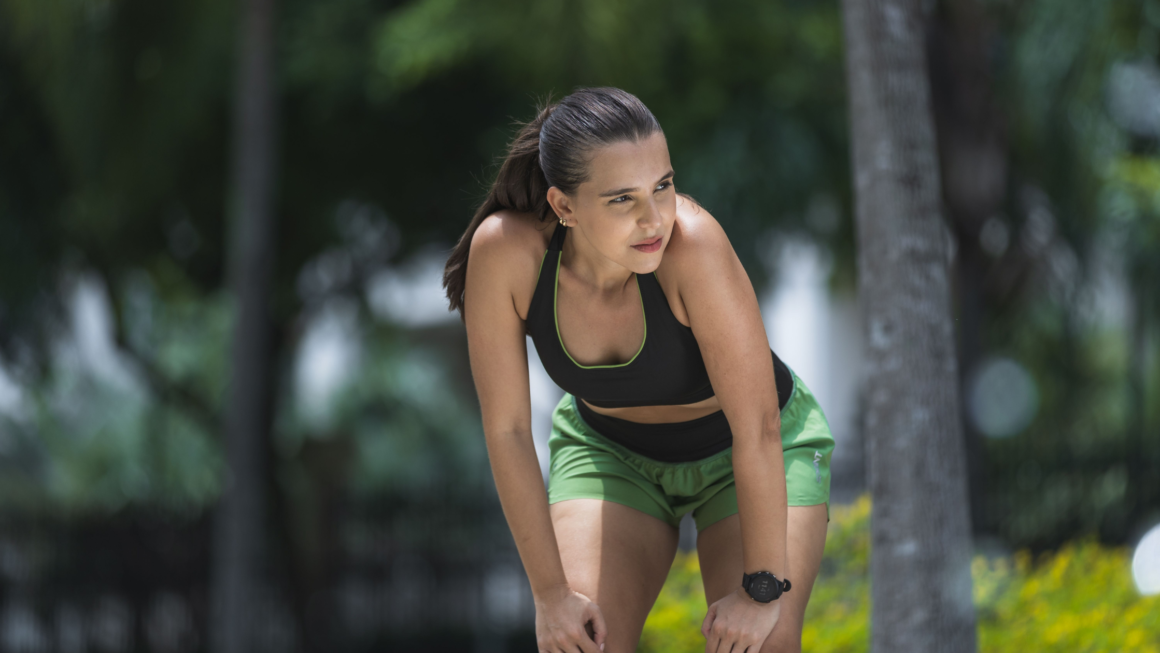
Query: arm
<point x="499" y="366"/>
<point x="726" y="320"/>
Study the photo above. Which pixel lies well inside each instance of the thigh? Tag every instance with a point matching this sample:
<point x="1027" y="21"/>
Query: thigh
<point x="617" y="556"/>
<point x="719" y="551"/>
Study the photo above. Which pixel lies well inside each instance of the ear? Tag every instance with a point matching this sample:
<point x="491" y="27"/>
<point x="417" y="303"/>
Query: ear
<point x="561" y="204"/>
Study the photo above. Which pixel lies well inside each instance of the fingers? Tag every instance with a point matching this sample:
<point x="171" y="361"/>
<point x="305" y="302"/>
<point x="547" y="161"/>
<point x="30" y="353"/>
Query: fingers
<point x="599" y="628"/>
<point x="726" y="637"/>
<point x="572" y="624"/>
<point x="729" y="640"/>
<point x="712" y="635"/>
<point x="573" y="640"/>
<point x="588" y="646"/>
<point x="582" y="644"/>
<point x="587" y="643"/>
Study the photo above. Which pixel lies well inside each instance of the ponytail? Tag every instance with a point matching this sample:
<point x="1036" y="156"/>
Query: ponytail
<point x="519" y="186"/>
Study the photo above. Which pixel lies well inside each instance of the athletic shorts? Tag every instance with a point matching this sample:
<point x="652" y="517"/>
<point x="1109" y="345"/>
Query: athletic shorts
<point x="587" y="465"/>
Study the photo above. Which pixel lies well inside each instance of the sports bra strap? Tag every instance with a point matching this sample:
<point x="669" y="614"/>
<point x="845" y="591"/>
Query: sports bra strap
<point x="557" y="242"/>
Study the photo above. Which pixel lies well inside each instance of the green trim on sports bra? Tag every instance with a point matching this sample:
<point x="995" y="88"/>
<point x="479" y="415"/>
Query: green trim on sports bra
<point x="556" y="319"/>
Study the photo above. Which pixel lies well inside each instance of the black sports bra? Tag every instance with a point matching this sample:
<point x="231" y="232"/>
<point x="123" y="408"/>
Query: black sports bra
<point x="666" y="370"/>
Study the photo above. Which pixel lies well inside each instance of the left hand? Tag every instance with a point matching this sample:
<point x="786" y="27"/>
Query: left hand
<point x="738" y="624"/>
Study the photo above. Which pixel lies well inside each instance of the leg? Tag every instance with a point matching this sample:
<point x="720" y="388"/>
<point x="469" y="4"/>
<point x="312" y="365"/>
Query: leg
<point x="617" y="556"/>
<point x="719" y="550"/>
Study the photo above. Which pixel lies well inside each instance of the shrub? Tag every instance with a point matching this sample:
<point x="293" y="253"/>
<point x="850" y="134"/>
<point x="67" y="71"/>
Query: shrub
<point x="1078" y="598"/>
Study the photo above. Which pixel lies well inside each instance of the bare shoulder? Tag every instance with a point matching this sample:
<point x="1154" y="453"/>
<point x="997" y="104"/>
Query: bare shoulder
<point x="698" y="242"/>
<point x="698" y="251"/>
<point x="507" y="232"/>
<point x="506" y="251"/>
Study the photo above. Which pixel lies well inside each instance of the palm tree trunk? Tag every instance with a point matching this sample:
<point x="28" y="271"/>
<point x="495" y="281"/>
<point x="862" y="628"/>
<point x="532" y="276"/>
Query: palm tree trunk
<point x="920" y="525"/>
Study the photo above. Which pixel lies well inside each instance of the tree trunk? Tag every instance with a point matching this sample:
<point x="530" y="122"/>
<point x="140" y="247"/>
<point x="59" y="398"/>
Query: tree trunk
<point x="920" y="526"/>
<point x="241" y="513"/>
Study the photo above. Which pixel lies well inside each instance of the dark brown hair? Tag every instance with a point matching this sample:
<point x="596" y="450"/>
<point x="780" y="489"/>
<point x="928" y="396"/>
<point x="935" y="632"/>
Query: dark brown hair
<point x="553" y="149"/>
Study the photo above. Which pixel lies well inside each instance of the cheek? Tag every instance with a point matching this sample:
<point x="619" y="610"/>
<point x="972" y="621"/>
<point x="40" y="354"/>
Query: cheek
<point x="616" y="231"/>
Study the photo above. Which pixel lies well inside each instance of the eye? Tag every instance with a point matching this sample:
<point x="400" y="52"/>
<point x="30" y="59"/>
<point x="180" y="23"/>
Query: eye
<point x="662" y="186"/>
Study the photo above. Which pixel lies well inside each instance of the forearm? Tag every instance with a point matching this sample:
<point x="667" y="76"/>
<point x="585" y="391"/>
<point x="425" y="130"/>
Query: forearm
<point x="520" y="485"/>
<point x="759" y="473"/>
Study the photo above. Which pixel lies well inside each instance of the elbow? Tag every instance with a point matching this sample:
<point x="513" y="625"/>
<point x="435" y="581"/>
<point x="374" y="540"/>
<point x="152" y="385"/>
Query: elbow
<point x="771" y="425"/>
<point x="770" y="436"/>
<point x="766" y="434"/>
<point x="518" y="436"/>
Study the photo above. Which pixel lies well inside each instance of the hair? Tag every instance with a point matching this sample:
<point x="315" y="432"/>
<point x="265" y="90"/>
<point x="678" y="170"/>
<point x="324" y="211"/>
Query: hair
<point x="553" y="149"/>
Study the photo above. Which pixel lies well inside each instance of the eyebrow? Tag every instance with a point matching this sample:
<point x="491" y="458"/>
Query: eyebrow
<point x="622" y="191"/>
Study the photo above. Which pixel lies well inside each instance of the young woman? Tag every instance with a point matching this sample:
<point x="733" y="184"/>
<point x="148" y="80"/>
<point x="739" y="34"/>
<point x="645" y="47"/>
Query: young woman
<point x="641" y="311"/>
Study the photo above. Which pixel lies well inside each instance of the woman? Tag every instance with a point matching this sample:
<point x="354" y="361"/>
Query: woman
<point x="642" y="313"/>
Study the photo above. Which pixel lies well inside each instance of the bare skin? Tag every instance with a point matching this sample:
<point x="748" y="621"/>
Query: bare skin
<point x="619" y="558"/>
<point x="719" y="552"/>
<point x="589" y="561"/>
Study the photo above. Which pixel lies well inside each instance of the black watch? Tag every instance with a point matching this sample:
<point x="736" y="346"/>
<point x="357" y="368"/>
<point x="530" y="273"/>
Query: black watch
<point x="763" y="586"/>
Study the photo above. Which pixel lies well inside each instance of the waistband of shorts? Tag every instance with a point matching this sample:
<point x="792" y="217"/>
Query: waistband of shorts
<point x="668" y="442"/>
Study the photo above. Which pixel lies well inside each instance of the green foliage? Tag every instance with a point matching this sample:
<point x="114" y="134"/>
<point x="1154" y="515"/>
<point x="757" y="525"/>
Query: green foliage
<point x="1081" y="465"/>
<point x="114" y="154"/>
<point x="750" y="95"/>
<point x="1079" y="598"/>
<point x="98" y="440"/>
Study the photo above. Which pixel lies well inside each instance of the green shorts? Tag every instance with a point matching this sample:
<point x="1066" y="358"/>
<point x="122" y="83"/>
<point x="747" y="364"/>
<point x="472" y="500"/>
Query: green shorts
<point x="587" y="465"/>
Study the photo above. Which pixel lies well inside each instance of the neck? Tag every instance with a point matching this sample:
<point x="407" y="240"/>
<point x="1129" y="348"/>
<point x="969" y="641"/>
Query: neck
<point x="591" y="267"/>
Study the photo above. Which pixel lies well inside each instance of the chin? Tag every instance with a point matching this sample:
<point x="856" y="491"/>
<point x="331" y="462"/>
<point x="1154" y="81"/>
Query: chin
<point x="651" y="264"/>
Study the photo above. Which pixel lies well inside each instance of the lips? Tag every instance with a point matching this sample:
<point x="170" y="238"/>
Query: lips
<point x="649" y="245"/>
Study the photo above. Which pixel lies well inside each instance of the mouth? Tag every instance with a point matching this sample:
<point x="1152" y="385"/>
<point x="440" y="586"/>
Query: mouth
<point x="650" y="245"/>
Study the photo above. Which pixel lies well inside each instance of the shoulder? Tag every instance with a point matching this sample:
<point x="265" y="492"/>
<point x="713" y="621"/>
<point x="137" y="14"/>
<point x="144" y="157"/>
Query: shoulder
<point x="509" y="240"/>
<point x="505" y="254"/>
<point x="699" y="260"/>
<point x="507" y="233"/>
<point x="698" y="243"/>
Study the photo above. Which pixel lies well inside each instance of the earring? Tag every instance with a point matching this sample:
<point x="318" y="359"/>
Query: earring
<point x="563" y="222"/>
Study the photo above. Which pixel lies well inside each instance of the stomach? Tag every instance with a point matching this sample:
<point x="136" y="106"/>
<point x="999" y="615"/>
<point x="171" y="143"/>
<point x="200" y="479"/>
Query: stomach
<point x="660" y="414"/>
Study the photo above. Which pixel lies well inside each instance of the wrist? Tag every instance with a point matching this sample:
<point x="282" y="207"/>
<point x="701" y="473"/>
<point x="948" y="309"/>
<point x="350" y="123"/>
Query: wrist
<point x="551" y="592"/>
<point x="744" y="595"/>
<point x="764" y="586"/>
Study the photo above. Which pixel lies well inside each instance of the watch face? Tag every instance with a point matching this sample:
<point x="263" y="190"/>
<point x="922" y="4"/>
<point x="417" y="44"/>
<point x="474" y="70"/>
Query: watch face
<point x="762" y="587"/>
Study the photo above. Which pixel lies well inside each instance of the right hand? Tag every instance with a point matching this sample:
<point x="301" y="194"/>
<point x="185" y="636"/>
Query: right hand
<point x="563" y="619"/>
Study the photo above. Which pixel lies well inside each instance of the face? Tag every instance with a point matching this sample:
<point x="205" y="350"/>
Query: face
<point x="627" y="203"/>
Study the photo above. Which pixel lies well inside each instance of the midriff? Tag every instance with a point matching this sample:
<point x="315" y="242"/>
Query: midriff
<point x="660" y="414"/>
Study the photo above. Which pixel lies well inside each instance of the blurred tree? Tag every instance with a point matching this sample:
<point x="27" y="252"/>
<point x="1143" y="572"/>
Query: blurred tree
<point x="974" y="168"/>
<point x="250" y="403"/>
<point x="1039" y="274"/>
<point x="921" y="553"/>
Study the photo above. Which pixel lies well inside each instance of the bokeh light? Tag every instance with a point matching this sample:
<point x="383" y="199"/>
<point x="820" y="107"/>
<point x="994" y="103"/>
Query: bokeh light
<point x="1146" y="563"/>
<point x="1001" y="397"/>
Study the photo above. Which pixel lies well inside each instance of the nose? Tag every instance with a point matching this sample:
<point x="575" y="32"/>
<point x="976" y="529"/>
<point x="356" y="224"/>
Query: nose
<point x="652" y="217"/>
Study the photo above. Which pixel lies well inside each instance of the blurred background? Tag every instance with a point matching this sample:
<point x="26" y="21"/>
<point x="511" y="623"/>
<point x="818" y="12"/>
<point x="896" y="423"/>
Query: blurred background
<point x="382" y="529"/>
